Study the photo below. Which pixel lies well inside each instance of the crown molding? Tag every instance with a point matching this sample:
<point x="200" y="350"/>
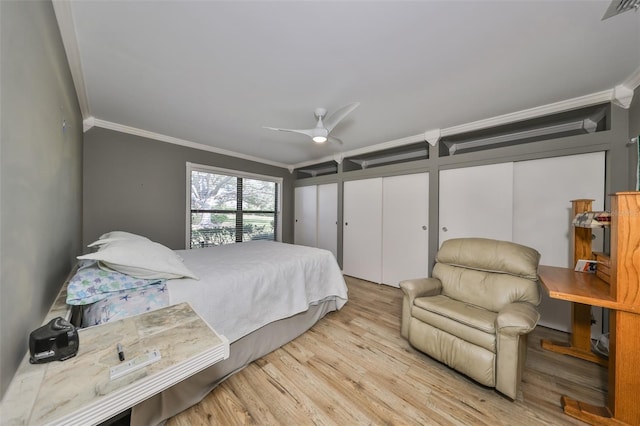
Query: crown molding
<point x="87" y="124"/>
<point x="432" y="136"/>
<point x="177" y="141"/>
<point x="64" y="16"/>
<point x="566" y="105"/>
<point x="386" y="145"/>
<point x="622" y="96"/>
<point x="633" y="81"/>
<point x="317" y="161"/>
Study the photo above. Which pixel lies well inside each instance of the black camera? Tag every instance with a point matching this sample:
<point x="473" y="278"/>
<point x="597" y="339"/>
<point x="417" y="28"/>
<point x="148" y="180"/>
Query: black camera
<point x="56" y="341"/>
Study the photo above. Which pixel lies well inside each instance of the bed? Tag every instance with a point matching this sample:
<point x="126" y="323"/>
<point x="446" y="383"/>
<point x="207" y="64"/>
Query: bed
<point x="258" y="294"/>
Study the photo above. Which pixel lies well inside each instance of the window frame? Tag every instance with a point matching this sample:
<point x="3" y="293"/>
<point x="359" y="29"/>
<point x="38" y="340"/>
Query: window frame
<point x="191" y="167"/>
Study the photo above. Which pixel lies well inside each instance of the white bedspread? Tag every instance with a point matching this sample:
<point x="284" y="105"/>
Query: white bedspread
<point x="243" y="287"/>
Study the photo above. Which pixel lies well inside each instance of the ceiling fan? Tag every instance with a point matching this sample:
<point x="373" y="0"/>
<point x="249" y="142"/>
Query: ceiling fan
<point x="320" y="133"/>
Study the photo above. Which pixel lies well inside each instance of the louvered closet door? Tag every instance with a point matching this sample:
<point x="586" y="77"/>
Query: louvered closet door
<point x="542" y="216"/>
<point x="305" y="209"/>
<point x="405" y="238"/>
<point x="328" y="217"/>
<point x="362" y="229"/>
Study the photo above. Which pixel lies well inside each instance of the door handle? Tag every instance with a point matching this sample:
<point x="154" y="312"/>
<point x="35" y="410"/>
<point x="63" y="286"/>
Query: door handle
<point x="444" y="229"/>
<point x="424" y="227"/>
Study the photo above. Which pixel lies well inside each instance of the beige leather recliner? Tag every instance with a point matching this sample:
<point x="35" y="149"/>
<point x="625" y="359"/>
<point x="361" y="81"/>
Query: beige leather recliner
<point x="475" y="312"/>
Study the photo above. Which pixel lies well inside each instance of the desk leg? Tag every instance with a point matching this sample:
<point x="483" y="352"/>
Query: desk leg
<point x="580" y="345"/>
<point x="624" y="377"/>
<point x="588" y="413"/>
<point x="624" y="373"/>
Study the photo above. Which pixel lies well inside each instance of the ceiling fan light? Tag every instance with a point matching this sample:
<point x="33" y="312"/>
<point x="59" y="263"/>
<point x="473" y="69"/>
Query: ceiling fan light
<point x="319" y="139"/>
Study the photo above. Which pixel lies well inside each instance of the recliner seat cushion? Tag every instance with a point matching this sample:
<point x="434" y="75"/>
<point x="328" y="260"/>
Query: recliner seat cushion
<point x="463" y="320"/>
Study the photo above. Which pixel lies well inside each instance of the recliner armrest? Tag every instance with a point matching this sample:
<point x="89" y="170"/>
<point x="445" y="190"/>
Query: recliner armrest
<point x="517" y="318"/>
<point x="513" y="323"/>
<point x="420" y="287"/>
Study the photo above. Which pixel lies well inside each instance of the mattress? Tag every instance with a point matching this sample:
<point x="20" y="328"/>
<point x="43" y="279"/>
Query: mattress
<point x="240" y="287"/>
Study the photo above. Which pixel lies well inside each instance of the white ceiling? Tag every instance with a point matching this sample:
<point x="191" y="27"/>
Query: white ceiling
<point x="213" y="73"/>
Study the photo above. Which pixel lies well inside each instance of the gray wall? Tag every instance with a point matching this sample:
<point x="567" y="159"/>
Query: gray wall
<point x="138" y="185"/>
<point x="634" y="131"/>
<point x="634" y="114"/>
<point x="40" y="174"/>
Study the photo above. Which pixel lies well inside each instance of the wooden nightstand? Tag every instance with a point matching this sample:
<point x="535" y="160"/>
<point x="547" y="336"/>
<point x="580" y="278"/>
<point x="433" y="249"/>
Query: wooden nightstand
<point x="79" y="391"/>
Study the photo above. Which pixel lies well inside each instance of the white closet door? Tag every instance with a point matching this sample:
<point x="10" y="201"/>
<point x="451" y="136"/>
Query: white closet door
<point x="362" y="229"/>
<point x="305" y="216"/>
<point x="405" y="239"/>
<point x="542" y="215"/>
<point x="476" y="202"/>
<point x="328" y="217"/>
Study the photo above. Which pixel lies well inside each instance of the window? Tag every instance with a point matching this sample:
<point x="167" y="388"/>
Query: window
<point x="226" y="206"/>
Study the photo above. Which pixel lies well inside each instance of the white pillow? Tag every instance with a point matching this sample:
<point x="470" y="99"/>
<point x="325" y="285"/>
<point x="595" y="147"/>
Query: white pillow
<point x="141" y="258"/>
<point x="116" y="235"/>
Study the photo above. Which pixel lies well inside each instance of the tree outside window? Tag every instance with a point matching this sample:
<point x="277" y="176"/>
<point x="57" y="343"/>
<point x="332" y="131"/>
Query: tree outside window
<point x="226" y="209"/>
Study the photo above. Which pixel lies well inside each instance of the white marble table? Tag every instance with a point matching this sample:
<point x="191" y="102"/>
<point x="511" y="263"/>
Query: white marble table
<point x="78" y="391"/>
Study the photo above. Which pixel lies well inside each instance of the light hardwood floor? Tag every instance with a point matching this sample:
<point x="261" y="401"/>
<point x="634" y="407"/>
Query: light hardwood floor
<point x="354" y="368"/>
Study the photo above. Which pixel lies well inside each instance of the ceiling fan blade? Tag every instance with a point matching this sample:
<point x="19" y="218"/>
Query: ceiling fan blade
<point x="335" y="140"/>
<point x="337" y="116"/>
<point x="308" y="132"/>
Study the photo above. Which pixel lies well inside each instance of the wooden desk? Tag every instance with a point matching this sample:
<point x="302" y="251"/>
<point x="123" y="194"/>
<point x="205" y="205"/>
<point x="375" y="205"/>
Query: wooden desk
<point x="583" y="290"/>
<point x="624" y="360"/>
<point x="581" y="287"/>
<point x="78" y="391"/>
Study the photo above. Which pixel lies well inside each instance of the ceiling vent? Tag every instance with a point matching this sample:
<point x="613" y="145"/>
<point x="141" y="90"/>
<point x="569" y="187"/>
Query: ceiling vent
<point x="618" y="6"/>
